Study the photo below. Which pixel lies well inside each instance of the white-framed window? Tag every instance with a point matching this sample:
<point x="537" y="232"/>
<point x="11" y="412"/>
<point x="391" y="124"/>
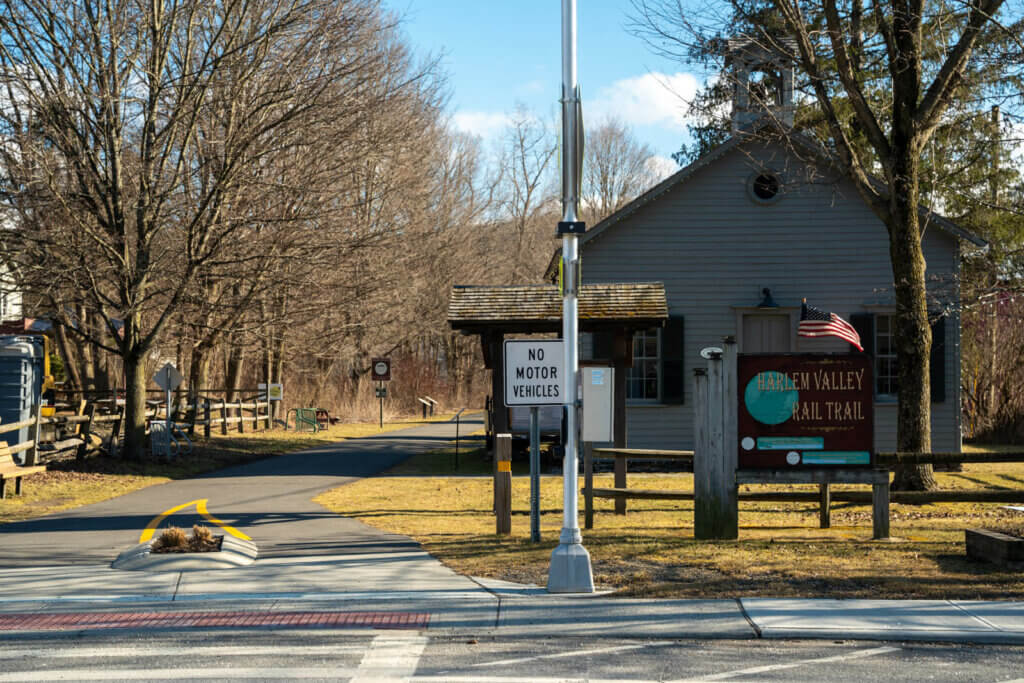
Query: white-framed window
<point x="643" y="382"/>
<point x="886" y="370"/>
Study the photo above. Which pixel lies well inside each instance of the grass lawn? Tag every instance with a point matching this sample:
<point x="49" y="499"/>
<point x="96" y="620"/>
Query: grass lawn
<point x="69" y="484"/>
<point x="650" y="552"/>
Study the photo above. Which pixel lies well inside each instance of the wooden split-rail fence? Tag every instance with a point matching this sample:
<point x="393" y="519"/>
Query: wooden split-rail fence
<point x="878" y="477"/>
<point x="55" y="436"/>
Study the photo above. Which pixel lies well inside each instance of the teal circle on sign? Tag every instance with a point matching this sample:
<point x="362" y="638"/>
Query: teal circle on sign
<point x="770" y="397"/>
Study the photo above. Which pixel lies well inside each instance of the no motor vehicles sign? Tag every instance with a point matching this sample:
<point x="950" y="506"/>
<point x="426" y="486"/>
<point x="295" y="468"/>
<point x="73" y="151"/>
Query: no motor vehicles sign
<point x="534" y="372"/>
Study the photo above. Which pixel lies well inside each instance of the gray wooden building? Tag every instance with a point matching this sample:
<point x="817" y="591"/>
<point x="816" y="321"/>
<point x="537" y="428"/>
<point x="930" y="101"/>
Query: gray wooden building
<point x="738" y="238"/>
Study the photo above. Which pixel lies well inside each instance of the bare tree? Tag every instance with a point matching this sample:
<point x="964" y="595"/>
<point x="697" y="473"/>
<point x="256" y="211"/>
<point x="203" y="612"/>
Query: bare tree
<point x="877" y="121"/>
<point x="616" y="169"/>
<point x="127" y="128"/>
<point x="527" y="192"/>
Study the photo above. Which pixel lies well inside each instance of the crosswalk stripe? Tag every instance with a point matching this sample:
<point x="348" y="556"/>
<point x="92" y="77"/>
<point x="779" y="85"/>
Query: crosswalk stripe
<point x="183" y="674"/>
<point x="391" y="657"/>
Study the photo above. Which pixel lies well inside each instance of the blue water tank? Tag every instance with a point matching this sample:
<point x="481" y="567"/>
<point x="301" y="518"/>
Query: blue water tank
<point x="21" y="381"/>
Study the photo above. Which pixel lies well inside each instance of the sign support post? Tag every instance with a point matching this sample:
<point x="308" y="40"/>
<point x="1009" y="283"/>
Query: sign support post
<point x="534" y="376"/>
<point x="570" y="570"/>
<point x="534" y="475"/>
<point x="380" y="372"/>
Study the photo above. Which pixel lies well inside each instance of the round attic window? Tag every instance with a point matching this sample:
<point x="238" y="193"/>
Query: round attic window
<point x="765" y="186"/>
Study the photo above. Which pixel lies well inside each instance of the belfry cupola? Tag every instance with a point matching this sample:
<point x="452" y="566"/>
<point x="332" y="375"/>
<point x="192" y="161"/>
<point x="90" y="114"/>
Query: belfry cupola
<point x="762" y="83"/>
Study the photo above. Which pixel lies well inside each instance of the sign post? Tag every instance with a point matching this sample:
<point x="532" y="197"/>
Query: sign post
<point x="534" y="376"/>
<point x="380" y="372"/>
<point x="534" y="475"/>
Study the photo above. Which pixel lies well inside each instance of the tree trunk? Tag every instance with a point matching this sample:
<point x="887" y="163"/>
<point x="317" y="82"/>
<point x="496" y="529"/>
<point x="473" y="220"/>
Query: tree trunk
<point x="71" y="369"/>
<point x="135" y="405"/>
<point x="199" y="369"/>
<point x="86" y="353"/>
<point x="236" y="363"/>
<point x="179" y="362"/>
<point x="913" y="337"/>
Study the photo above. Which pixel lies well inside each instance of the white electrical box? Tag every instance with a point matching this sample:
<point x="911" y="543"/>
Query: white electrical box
<point x="598" y="403"/>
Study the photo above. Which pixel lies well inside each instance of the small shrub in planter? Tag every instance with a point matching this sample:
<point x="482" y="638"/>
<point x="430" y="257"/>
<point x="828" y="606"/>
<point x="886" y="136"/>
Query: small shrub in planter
<point x="174" y="540"/>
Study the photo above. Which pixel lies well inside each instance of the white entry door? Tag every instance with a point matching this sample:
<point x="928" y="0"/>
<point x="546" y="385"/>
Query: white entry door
<point x="766" y="333"/>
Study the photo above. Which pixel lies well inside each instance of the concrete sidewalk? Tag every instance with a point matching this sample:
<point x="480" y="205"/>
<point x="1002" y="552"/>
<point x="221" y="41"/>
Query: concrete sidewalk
<point x="412" y="582"/>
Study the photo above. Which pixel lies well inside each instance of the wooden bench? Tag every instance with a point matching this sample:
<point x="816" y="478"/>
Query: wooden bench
<point x="12" y="470"/>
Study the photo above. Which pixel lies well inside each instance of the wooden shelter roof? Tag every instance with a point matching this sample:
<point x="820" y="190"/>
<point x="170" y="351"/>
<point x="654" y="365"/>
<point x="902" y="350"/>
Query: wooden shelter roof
<point x="538" y="308"/>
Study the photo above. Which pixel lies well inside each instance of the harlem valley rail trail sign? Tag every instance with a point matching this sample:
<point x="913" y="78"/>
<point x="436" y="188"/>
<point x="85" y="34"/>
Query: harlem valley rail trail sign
<point x="805" y="411"/>
<point x="534" y="372"/>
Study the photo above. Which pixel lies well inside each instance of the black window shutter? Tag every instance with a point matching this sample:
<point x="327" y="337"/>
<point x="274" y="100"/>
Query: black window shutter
<point x="672" y="361"/>
<point x="864" y="323"/>
<point x="602" y="345"/>
<point x="937" y="361"/>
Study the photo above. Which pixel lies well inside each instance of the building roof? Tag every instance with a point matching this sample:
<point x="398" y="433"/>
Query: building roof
<point x="801" y="141"/>
<point x="538" y="308"/>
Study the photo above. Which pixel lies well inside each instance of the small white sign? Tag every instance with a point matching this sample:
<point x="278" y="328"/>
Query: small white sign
<point x="276" y="391"/>
<point x="168" y="378"/>
<point x="534" y="372"/>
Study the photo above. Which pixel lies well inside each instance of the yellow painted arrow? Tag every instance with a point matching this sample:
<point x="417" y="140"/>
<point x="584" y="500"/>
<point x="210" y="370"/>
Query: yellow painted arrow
<point x="200" y="504"/>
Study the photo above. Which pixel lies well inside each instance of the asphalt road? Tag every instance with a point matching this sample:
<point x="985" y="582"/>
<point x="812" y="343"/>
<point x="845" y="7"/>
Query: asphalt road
<point x="269" y="500"/>
<point x="414" y="656"/>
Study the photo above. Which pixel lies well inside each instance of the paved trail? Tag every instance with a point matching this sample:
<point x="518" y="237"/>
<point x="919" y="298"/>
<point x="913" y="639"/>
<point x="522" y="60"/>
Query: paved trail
<point x="269" y="501"/>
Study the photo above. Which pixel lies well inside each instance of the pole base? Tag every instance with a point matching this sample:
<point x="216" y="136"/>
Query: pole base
<point x="570" y="570"/>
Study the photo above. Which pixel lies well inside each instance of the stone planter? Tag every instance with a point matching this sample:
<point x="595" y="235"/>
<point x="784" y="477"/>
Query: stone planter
<point x="234" y="552"/>
<point x="992" y="546"/>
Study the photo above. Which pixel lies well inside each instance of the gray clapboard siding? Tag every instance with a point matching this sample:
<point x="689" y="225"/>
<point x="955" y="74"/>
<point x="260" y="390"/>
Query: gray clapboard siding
<point x="715" y="248"/>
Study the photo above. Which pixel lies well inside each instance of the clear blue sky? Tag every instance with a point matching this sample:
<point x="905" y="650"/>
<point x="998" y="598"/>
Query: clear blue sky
<point x="498" y="54"/>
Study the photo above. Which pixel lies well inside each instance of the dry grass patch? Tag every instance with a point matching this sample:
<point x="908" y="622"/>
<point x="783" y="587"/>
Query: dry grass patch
<point x="651" y="551"/>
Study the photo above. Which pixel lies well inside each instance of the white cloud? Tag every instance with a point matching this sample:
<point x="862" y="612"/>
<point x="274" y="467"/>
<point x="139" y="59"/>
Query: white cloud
<point x="486" y="124"/>
<point x="661" y="167"/>
<point x="652" y="99"/>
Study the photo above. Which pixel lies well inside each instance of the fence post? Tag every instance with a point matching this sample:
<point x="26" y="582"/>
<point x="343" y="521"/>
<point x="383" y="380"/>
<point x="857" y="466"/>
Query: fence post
<point x="620" y="483"/>
<point x="730" y="441"/>
<point x="206" y="417"/>
<point x="241" y="421"/>
<point x="195" y="417"/>
<point x="824" y="506"/>
<point x="32" y="454"/>
<point x="269" y="425"/>
<point x="224" y="417"/>
<point x="702" y="491"/>
<point x="503" y="483"/>
<point x="115" y="431"/>
<point x="880" y="509"/>
<point x="85" y="434"/>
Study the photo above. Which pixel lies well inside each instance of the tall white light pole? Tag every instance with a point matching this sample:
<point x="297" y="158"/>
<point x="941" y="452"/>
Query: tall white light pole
<point x="570" y="570"/>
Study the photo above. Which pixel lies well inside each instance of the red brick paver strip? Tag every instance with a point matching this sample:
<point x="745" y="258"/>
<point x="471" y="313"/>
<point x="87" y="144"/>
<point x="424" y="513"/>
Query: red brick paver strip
<point x="75" y="621"/>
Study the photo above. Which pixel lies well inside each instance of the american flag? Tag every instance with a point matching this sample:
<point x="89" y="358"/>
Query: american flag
<point x="818" y="323"/>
